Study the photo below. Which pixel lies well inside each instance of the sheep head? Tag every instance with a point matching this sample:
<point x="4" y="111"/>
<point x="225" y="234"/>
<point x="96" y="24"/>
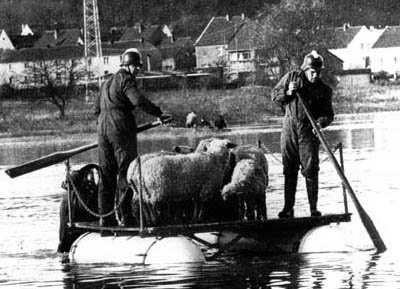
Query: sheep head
<point x="213" y="145"/>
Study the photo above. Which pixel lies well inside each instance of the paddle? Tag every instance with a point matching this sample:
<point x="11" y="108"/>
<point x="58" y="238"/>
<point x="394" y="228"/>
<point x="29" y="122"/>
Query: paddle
<point x="57" y="157"/>
<point x="366" y="220"/>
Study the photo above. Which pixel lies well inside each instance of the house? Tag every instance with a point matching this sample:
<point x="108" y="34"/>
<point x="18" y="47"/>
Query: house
<point x="5" y="42"/>
<point x="112" y="52"/>
<point x="243" y="48"/>
<point x="26" y="68"/>
<point x="178" y="54"/>
<point x="211" y="46"/>
<point x="385" y="53"/>
<point x="25" y="39"/>
<point x="353" y="45"/>
<point x="60" y="37"/>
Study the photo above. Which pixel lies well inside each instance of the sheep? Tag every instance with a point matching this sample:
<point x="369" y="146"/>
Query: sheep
<point x="175" y="182"/>
<point x="248" y="182"/>
<point x="247" y="186"/>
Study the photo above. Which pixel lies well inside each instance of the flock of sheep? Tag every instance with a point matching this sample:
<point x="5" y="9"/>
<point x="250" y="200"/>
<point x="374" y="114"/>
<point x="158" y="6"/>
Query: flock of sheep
<point x="218" y="181"/>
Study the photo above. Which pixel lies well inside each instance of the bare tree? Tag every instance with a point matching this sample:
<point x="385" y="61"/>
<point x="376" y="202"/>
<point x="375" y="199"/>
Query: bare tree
<point x="292" y="29"/>
<point x="56" y="80"/>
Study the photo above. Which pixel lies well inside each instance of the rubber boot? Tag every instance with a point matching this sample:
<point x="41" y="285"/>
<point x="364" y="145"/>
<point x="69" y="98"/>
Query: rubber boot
<point x="290" y="193"/>
<point x="106" y="204"/>
<point x="125" y="209"/>
<point x="312" y="192"/>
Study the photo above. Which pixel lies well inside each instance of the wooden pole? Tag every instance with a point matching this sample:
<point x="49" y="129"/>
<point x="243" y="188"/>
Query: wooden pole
<point x="366" y="220"/>
<point x="140" y="196"/>
<point x="346" y="207"/>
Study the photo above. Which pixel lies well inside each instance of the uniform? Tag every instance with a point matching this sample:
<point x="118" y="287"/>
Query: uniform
<point x="117" y="139"/>
<point x="299" y="145"/>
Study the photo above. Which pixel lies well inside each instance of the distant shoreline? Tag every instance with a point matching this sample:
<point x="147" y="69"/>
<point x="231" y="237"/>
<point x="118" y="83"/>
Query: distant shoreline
<point x="241" y="107"/>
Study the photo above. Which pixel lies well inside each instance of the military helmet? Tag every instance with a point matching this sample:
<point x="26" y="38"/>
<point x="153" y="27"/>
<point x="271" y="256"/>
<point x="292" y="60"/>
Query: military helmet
<point x="131" y="56"/>
<point x="313" y="60"/>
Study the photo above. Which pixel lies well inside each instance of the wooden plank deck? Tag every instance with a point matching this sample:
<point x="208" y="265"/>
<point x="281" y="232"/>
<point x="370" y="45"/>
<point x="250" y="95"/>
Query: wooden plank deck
<point x="244" y="226"/>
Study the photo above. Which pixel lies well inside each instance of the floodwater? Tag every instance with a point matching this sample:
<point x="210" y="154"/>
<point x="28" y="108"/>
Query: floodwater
<point x="29" y="220"/>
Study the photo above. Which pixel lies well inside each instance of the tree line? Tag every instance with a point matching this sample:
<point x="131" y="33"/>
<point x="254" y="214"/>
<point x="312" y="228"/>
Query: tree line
<point x="188" y="17"/>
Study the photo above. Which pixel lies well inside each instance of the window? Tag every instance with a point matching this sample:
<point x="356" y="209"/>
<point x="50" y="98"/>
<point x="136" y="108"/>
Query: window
<point x="246" y="55"/>
<point x="58" y="76"/>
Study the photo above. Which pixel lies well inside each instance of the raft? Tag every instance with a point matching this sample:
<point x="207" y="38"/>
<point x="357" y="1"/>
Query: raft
<point x="192" y="242"/>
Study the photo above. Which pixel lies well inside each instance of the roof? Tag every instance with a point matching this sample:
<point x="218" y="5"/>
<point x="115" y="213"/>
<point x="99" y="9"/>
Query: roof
<point x="35" y="54"/>
<point x="247" y="37"/>
<point x="219" y="31"/>
<point x="389" y="38"/>
<point x="170" y="49"/>
<point x="119" y="47"/>
<point x="63" y="37"/>
<point x="342" y="36"/>
<point x="26" y="41"/>
<point x="131" y="33"/>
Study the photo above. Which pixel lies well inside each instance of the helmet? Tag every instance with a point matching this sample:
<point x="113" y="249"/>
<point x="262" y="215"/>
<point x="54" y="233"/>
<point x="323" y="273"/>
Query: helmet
<point x="313" y="60"/>
<point x="131" y="56"/>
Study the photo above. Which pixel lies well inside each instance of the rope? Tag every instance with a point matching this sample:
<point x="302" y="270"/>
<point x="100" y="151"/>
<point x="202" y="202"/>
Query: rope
<point x="85" y="206"/>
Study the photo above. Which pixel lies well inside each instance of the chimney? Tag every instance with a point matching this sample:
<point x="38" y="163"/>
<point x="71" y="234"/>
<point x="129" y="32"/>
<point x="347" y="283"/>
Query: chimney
<point x="242" y="16"/>
<point x="345" y="26"/>
<point x="55" y="33"/>
<point x="227" y="17"/>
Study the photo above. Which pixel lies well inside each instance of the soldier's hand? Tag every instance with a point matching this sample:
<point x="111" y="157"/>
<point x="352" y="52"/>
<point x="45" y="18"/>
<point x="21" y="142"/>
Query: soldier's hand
<point x="291" y="88"/>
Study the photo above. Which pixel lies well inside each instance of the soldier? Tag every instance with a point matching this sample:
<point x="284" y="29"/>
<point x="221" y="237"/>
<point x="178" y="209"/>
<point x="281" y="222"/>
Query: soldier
<point x="299" y="144"/>
<point x="117" y="139"/>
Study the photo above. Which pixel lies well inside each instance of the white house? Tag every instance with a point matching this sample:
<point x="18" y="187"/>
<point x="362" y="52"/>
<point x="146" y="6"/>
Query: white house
<point x="211" y="47"/>
<point x="5" y="42"/>
<point x="353" y="45"/>
<point x="385" y="53"/>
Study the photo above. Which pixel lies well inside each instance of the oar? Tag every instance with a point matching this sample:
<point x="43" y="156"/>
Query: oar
<point x="57" y="157"/>
<point x="366" y="220"/>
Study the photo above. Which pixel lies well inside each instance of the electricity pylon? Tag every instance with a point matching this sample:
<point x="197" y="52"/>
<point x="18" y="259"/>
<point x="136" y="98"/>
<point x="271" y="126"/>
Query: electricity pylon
<point x="92" y="38"/>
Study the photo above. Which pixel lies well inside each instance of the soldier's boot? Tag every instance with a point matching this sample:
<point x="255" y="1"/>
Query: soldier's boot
<point x="106" y="205"/>
<point x="126" y="210"/>
<point x="312" y="193"/>
<point x="290" y="192"/>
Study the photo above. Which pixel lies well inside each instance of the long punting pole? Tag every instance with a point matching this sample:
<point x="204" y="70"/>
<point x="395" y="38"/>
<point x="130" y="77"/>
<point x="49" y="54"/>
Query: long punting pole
<point x="366" y="220"/>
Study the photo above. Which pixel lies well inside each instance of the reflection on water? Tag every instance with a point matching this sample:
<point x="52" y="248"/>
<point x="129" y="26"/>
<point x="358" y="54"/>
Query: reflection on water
<point x="29" y="220"/>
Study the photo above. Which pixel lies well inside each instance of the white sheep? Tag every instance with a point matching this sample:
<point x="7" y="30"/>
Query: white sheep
<point x="178" y="187"/>
<point x="248" y="182"/>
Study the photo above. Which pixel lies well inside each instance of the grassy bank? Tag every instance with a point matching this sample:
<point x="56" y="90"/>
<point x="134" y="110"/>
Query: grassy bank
<point x="246" y="105"/>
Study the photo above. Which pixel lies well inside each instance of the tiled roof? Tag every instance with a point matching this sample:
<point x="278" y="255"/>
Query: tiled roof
<point x="27" y="41"/>
<point x="131" y="33"/>
<point x="247" y="37"/>
<point x="342" y="37"/>
<point x="63" y="37"/>
<point x="35" y="54"/>
<point x="120" y="46"/>
<point x="65" y="52"/>
<point x="389" y="38"/>
<point x="219" y="31"/>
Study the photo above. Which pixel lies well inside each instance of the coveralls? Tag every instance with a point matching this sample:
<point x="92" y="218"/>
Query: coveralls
<point x="299" y="145"/>
<point x="117" y="140"/>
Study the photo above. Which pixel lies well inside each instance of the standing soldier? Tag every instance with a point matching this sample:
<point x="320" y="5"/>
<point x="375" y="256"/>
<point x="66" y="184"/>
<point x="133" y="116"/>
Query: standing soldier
<point x="299" y="144"/>
<point x="117" y="140"/>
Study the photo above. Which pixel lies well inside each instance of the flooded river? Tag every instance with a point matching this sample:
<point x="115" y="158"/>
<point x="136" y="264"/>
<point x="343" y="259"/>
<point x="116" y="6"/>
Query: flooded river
<point x="29" y="219"/>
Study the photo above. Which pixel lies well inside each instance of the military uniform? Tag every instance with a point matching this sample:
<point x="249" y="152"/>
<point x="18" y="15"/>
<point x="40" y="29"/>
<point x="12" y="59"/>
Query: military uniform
<point x="299" y="145"/>
<point x="117" y="139"/>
